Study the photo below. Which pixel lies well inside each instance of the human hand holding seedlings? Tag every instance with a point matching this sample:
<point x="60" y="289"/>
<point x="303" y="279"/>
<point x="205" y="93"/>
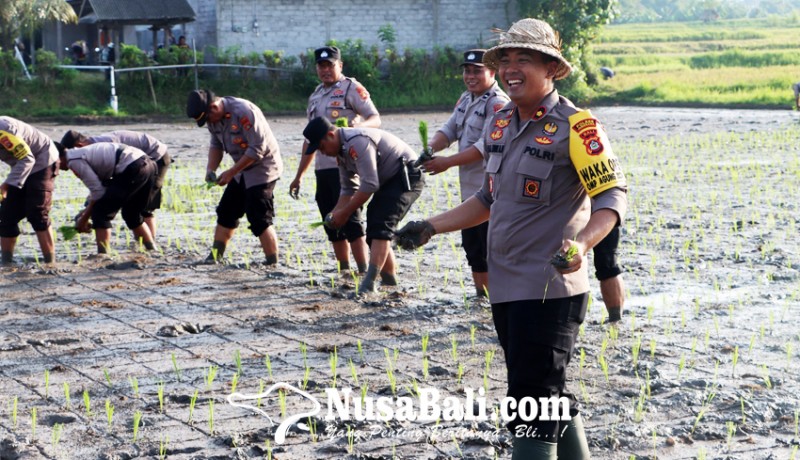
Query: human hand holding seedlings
<point x="437" y="165"/>
<point x="414" y="234"/>
<point x="569" y="258"/>
<point x="226" y="177"/>
<point x="82" y="224"/>
<point x="211" y="179"/>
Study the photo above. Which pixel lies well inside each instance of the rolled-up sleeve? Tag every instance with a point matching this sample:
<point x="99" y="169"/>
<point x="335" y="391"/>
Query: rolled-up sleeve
<point x="367" y="164"/>
<point x="615" y="199"/>
<point x="257" y="146"/>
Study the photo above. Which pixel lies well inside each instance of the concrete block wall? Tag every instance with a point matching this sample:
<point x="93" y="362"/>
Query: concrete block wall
<point x="294" y="26"/>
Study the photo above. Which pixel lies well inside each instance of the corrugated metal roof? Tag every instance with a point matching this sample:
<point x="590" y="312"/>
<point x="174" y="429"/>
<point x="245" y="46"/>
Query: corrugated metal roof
<point x="141" y="11"/>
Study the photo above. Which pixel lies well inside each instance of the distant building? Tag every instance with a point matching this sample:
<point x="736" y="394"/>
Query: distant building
<point x="295" y="26"/>
<point x="144" y="23"/>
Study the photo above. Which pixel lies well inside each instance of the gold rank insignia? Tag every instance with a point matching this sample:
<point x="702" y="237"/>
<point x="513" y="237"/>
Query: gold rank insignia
<point x="543" y="140"/>
<point x="502" y="123"/>
<point x="497" y="134"/>
<point x="540" y="112"/>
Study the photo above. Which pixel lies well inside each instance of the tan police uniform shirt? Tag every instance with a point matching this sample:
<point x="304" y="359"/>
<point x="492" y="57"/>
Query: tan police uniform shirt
<point x="243" y="131"/>
<point x="26" y="149"/>
<point x="148" y="144"/>
<point x="346" y="98"/>
<point x="98" y="163"/>
<point x="370" y="157"/>
<point x="466" y="124"/>
<point x="536" y="201"/>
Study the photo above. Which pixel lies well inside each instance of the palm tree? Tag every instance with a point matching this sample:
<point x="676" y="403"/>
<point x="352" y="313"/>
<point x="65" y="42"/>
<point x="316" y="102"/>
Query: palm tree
<point x="16" y="15"/>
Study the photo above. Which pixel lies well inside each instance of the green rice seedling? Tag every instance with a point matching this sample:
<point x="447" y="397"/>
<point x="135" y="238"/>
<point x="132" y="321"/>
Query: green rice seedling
<point x="581" y="363"/>
<point x="633" y="324"/>
<point x="425" y="368"/>
<point x="765" y="376"/>
<point x="109" y="413"/>
<point x="234" y="382"/>
<point x="162" y="447"/>
<point x="55" y="435"/>
<point x="350" y="439"/>
<point x="701" y="453"/>
<point x="744" y="414"/>
<point x="363" y="392"/>
<point x="788" y="355"/>
<point x="33" y="424"/>
<point x="703" y="409"/>
<point x="353" y="372"/>
<point x="68" y="403"/>
<point x="304" y="352"/>
<point x="730" y="427"/>
<point x="425" y="338"/>
<point x="392" y="380"/>
<point x="134" y="385"/>
<point x="237" y="359"/>
<point x="637" y="345"/>
<point x="681" y="365"/>
<point x="458" y="448"/>
<point x="603" y="346"/>
<point x="108" y="378"/>
<point x="192" y="403"/>
<point x="638" y="408"/>
<point x="176" y="368"/>
<point x="269" y="449"/>
<point x="334" y="362"/>
<point x="14" y="411"/>
<point x="454" y="348"/>
<point x="752" y="342"/>
<point x="210" y="374"/>
<point x="472" y="329"/>
<point x="734" y="360"/>
<point x="160" y="391"/>
<point x="796" y="420"/>
<point x="794" y="453"/>
<point x="360" y="350"/>
<point x="87" y="403"/>
<point x="137" y="418"/>
<point x="46" y="383"/>
<point x="282" y="402"/>
<point x="211" y="417"/>
<point x="306" y="375"/>
<point x="604" y="367"/>
<point x="268" y="364"/>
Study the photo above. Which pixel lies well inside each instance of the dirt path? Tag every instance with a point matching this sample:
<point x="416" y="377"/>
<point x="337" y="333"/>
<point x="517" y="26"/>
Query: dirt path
<point x="703" y="366"/>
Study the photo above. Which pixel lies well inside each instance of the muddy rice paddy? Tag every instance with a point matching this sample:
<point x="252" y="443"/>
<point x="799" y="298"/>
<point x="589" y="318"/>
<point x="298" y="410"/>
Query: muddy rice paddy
<point x="704" y="365"/>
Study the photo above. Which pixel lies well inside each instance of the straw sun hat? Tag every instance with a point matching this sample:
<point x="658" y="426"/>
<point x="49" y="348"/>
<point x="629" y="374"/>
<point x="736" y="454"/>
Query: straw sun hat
<point x="530" y="34"/>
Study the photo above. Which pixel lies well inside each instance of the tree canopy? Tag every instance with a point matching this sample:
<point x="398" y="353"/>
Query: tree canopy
<point x="19" y="15"/>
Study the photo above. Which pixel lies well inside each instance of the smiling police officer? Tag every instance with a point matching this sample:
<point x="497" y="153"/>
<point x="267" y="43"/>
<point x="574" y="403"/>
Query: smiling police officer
<point x="470" y="117"/>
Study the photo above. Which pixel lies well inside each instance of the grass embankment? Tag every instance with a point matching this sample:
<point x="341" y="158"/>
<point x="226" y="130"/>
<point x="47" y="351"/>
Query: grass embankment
<point x="741" y="63"/>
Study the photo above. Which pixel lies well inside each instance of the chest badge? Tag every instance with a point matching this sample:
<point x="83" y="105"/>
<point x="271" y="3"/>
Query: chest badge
<point x="502" y="123"/>
<point x="497" y="134"/>
<point x="353" y="153"/>
<point x="531" y="188"/>
<point x="335" y="113"/>
<point x="550" y="128"/>
<point x="543" y="140"/>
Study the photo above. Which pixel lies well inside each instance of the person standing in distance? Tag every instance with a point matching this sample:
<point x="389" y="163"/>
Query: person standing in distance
<point x="337" y="97"/>
<point x="238" y="126"/>
<point x="554" y="189"/>
<point x="470" y="117"/>
<point x="27" y="191"/>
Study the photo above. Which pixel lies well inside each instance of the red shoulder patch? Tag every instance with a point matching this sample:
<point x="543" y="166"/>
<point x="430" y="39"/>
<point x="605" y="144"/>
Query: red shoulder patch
<point x="362" y="92"/>
<point x="497" y="107"/>
<point x="353" y="153"/>
<point x="245" y="123"/>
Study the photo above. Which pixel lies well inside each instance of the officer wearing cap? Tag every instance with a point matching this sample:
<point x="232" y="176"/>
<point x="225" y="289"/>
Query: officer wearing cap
<point x="372" y="164"/>
<point x="238" y="126"/>
<point x="554" y="190"/>
<point x="155" y="149"/>
<point x="119" y="177"/>
<point x="337" y="97"/>
<point x="27" y="191"/>
<point x="472" y="113"/>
